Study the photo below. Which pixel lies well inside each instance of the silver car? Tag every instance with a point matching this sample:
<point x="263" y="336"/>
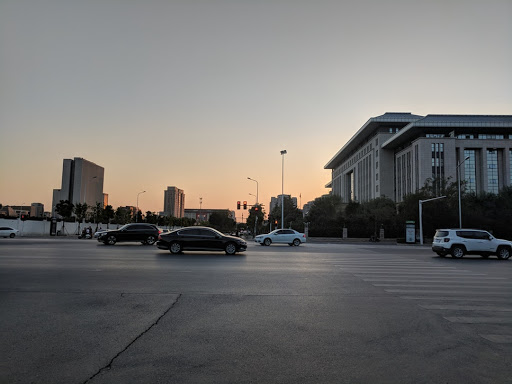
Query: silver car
<point x="8" y="232"/>
<point x="281" y="236"/>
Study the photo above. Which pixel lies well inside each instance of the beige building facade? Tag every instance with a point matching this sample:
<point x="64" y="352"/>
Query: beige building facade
<point x="174" y="202"/>
<point x="395" y="154"/>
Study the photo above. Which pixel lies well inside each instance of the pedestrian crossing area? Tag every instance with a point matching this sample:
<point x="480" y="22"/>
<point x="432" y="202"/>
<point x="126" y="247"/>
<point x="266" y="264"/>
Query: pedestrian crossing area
<point x="460" y="296"/>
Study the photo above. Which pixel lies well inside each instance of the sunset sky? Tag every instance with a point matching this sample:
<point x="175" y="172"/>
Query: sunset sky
<point x="203" y="94"/>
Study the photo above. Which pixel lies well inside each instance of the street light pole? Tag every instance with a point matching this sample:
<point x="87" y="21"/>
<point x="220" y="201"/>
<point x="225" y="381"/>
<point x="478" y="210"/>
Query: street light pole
<point x="200" y="209"/>
<point x="257" y="187"/>
<point x="458" y="188"/>
<point x="420" y="203"/>
<point x="283" y="152"/>
<point x="137" y="213"/>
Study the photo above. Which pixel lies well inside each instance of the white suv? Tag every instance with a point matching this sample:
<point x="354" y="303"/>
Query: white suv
<point x="459" y="242"/>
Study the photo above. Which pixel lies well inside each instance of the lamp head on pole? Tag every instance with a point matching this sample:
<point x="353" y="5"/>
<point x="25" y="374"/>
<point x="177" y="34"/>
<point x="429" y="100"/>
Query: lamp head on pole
<point x="283" y="152"/>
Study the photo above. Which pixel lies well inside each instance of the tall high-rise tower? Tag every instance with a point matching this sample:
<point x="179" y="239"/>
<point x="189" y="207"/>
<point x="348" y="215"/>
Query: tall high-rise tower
<point x="82" y="182"/>
<point x="174" y="202"/>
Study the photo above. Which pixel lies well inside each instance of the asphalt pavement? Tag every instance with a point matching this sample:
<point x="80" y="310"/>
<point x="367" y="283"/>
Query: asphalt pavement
<point x="76" y="311"/>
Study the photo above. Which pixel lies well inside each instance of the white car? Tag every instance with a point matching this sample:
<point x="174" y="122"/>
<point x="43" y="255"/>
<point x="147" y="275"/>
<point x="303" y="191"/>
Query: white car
<point x="281" y="236"/>
<point x="8" y="232"/>
<point x="459" y="242"/>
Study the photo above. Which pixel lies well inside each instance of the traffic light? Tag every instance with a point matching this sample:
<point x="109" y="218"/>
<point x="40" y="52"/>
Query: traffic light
<point x="245" y="204"/>
<point x="275" y="222"/>
<point x="256" y="209"/>
<point x="237" y="205"/>
<point x="23" y="217"/>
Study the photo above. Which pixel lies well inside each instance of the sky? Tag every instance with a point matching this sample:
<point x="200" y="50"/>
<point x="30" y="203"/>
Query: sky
<point x="202" y="94"/>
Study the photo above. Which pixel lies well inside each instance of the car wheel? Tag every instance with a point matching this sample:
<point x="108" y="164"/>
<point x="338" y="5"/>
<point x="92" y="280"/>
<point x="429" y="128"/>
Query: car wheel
<point x="230" y="249"/>
<point x="296" y="242"/>
<point x="457" y="251"/>
<point x="267" y="242"/>
<point x="503" y="253"/>
<point x="175" y="248"/>
<point x="150" y="240"/>
<point x="12" y="235"/>
<point x="111" y="240"/>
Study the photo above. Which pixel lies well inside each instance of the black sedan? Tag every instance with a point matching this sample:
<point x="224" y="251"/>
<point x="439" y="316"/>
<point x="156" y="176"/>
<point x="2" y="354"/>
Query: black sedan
<point x="200" y="239"/>
<point x="145" y="233"/>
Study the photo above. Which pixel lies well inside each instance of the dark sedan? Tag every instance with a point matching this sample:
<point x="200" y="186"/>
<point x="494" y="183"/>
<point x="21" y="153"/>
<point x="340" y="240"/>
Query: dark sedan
<point x="200" y="239"/>
<point x="145" y="233"/>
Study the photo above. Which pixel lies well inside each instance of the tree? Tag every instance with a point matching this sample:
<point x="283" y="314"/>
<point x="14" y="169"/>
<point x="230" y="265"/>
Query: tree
<point x="221" y="221"/>
<point x="381" y="213"/>
<point x="255" y="220"/>
<point x="108" y="214"/>
<point x="97" y="213"/>
<point x="325" y="216"/>
<point x="122" y="215"/>
<point x="151" y="217"/>
<point x="292" y="215"/>
<point x="80" y="211"/>
<point x="65" y="209"/>
<point x="435" y="214"/>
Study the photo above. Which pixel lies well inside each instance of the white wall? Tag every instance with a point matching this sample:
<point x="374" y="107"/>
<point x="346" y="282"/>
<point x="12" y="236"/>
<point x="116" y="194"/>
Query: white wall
<point x="42" y="228"/>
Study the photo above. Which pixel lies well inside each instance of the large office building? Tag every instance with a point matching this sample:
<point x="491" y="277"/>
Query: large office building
<point x="395" y="154"/>
<point x="82" y="182"/>
<point x="174" y="202"/>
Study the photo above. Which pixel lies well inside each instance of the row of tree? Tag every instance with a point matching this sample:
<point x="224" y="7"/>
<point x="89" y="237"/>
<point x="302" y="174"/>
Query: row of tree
<point x="492" y="212"/>
<point x="122" y="215"/>
<point x="329" y="215"/>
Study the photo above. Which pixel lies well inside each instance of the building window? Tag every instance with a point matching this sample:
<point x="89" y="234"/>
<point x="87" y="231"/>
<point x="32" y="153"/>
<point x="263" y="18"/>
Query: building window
<point x="510" y="160"/>
<point x="376" y="176"/>
<point x="376" y="188"/>
<point x="437" y="166"/>
<point x="417" y="167"/>
<point x="409" y="174"/>
<point x="465" y="136"/>
<point x="376" y="165"/>
<point x="492" y="171"/>
<point x="470" y="170"/>
<point x="376" y="153"/>
<point x="399" y="178"/>
<point x="484" y="136"/>
<point x="434" y="135"/>
<point x="376" y="142"/>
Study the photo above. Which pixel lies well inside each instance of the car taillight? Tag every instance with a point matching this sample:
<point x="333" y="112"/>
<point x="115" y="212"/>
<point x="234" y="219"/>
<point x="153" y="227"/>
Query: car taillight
<point x="159" y="237"/>
<point x="446" y="239"/>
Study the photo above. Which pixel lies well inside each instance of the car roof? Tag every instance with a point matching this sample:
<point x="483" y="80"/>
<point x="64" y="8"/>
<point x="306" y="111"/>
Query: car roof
<point x="461" y="229"/>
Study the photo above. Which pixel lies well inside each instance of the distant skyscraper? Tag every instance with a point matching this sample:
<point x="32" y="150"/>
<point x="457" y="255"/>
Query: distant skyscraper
<point x="82" y="182"/>
<point x="174" y="202"/>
